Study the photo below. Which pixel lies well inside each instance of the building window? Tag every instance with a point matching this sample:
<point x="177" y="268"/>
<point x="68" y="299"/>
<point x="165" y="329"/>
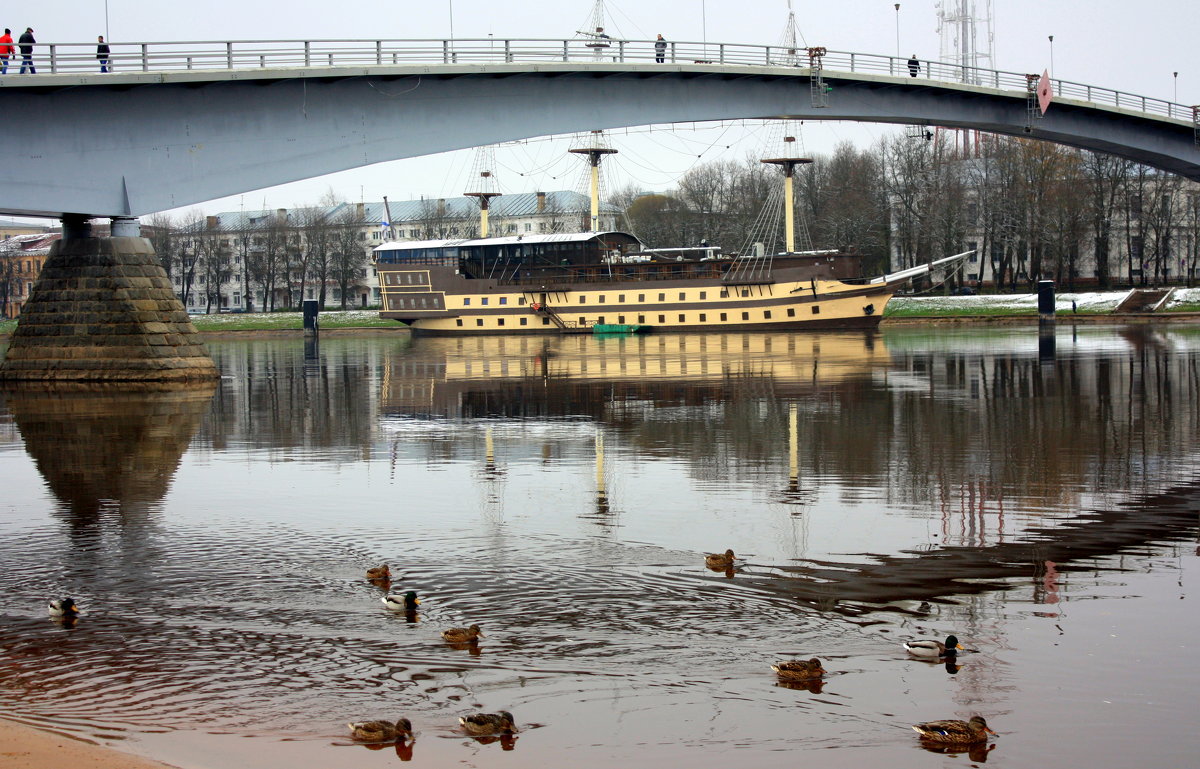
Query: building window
<point x="528" y="227"/>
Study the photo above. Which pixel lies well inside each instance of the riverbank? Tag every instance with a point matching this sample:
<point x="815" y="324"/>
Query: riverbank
<point x="25" y="747"/>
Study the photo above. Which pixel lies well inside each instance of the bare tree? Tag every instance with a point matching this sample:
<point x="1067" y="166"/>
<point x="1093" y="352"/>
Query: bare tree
<point x="348" y="253"/>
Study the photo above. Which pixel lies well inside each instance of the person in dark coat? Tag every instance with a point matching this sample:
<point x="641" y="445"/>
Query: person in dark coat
<point x="26" y="42"/>
<point x="914" y="66"/>
<point x="660" y="50"/>
<point x="102" y="53"/>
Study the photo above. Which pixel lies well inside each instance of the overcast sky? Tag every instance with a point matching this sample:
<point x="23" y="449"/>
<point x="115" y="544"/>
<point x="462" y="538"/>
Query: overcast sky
<point x="1130" y="46"/>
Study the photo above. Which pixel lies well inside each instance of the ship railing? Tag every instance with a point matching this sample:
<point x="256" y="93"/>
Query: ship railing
<point x="170" y="56"/>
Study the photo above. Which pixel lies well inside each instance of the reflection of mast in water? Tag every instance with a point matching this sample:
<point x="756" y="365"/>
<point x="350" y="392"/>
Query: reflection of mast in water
<point x="492" y="477"/>
<point x="604" y="514"/>
<point x="794" y="494"/>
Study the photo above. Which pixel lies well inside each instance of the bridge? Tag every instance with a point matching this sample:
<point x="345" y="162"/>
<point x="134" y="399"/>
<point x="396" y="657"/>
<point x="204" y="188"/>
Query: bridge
<point x="176" y="124"/>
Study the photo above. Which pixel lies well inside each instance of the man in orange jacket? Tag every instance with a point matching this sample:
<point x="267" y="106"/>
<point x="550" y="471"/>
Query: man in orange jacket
<point x="6" y="50"/>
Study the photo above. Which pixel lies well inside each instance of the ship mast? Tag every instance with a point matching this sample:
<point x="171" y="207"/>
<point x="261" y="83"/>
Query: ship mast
<point x="789" y="212"/>
<point x="594" y="153"/>
<point x="485" y="158"/>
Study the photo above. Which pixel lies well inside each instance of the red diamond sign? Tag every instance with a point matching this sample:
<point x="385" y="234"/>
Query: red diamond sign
<point x="1045" y="92"/>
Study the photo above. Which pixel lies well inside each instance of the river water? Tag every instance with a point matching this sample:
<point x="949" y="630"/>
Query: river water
<point x="1037" y="495"/>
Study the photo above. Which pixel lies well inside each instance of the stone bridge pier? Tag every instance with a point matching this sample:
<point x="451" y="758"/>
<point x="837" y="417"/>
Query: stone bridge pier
<point x="103" y="310"/>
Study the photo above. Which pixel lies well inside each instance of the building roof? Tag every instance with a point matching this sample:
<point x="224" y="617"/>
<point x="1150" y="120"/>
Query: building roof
<point x="406" y="211"/>
<point x="38" y="243"/>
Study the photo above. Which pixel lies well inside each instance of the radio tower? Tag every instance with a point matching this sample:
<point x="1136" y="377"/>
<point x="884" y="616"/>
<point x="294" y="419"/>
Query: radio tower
<point x="967" y="41"/>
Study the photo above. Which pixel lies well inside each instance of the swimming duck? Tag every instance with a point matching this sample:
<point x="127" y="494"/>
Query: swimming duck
<point x="406" y="603"/>
<point x="379" y="572"/>
<point x="380" y="731"/>
<point x="63" y="607"/>
<point x="459" y="635"/>
<point x="954" y="732"/>
<point x="488" y="723"/>
<point x="934" y="649"/>
<point x="719" y="560"/>
<point x="799" y="670"/>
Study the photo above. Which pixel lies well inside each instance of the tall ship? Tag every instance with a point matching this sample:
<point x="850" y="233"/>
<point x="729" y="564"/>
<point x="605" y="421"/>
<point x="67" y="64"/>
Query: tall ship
<point x="608" y="281"/>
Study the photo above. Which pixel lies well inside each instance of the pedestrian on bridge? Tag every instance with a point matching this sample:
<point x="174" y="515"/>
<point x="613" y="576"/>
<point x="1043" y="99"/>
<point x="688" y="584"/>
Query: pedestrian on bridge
<point x="660" y="49"/>
<point x="914" y="66"/>
<point x="6" y="50"/>
<point x="102" y="53"/>
<point x="26" y="42"/>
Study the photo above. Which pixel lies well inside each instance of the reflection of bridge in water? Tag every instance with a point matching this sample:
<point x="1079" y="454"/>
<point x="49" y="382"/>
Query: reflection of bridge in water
<point x="934" y="575"/>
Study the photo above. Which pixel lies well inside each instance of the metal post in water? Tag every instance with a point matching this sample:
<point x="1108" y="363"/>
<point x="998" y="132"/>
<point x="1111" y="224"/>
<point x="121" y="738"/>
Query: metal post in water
<point x="311" y="324"/>
<point x="1046" y="301"/>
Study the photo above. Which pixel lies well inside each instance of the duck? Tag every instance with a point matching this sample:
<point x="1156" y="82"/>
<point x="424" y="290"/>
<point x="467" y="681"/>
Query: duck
<point x="799" y="670"/>
<point x="63" y="607"/>
<point x="488" y="723"/>
<point x="380" y="731"/>
<point x="405" y="603"/>
<point x="379" y="573"/>
<point x="719" y="560"/>
<point x="459" y="635"/>
<point x="931" y="649"/>
<point x="954" y="732"/>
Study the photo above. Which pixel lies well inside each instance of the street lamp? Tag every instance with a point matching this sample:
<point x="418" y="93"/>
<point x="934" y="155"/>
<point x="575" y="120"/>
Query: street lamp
<point x="452" y="21"/>
<point x="1176" y="97"/>
<point x="897" y="30"/>
<point x="1052" y="56"/>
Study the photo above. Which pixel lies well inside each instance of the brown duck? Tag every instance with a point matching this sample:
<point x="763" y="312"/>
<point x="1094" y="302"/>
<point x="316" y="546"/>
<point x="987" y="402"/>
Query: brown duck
<point x="719" y="560"/>
<point x="799" y="670"/>
<point x="953" y="732"/>
<point x="462" y="635"/>
<point x="380" y="731"/>
<point x="488" y="723"/>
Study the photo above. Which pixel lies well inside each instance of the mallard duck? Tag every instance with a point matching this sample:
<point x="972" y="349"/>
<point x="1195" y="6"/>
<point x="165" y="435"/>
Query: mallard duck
<point x="953" y="732"/>
<point x="934" y="649"/>
<point x="379" y="572"/>
<point x="488" y="723"/>
<point x="63" y="607"/>
<point x="799" y="670"/>
<point x="719" y="560"/>
<point x="406" y="603"/>
<point x="380" y="731"/>
<point x="461" y="635"/>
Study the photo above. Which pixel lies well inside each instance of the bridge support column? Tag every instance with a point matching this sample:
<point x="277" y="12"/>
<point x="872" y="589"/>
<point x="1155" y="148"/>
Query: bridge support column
<point x="103" y="310"/>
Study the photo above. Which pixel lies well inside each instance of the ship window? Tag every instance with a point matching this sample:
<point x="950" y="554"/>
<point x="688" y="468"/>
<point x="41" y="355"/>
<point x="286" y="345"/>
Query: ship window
<point x="500" y="321"/>
<point x="745" y="316"/>
<point x="641" y="297"/>
<point x="582" y="299"/>
<point x="791" y="312"/>
<point x="703" y="317"/>
<point x="458" y="321"/>
<point x="682" y="295"/>
<point x="816" y="309"/>
<point x="600" y="321"/>
<point x="682" y="318"/>
<point x="484" y="300"/>
<point x="724" y="316"/>
<point x="545" y="321"/>
<point x="745" y="292"/>
<point x="600" y="299"/>
<point x="662" y="297"/>
<point x="479" y="321"/>
<point x="620" y="319"/>
<point x="423" y="302"/>
<point x="766" y="314"/>
<point x="724" y="293"/>
<point x="523" y="321"/>
<point x="620" y="297"/>
<point x="703" y="294"/>
<point x="582" y="321"/>
<point x="520" y="300"/>
<point x="504" y="300"/>
<point x="662" y="318"/>
<point x="466" y="301"/>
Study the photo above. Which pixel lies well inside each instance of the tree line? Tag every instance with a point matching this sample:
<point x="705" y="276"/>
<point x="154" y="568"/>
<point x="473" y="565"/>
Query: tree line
<point x="1034" y="210"/>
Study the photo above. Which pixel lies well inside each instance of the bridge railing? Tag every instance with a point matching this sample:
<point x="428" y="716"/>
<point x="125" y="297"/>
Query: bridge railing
<point x="74" y="58"/>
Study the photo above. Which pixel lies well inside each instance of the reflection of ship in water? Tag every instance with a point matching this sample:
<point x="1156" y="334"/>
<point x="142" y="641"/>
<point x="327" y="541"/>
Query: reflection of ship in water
<point x="108" y="448"/>
<point x="580" y="376"/>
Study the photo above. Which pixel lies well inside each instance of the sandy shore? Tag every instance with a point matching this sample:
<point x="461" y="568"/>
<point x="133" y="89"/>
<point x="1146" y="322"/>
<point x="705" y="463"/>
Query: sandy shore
<point x="23" y="747"/>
